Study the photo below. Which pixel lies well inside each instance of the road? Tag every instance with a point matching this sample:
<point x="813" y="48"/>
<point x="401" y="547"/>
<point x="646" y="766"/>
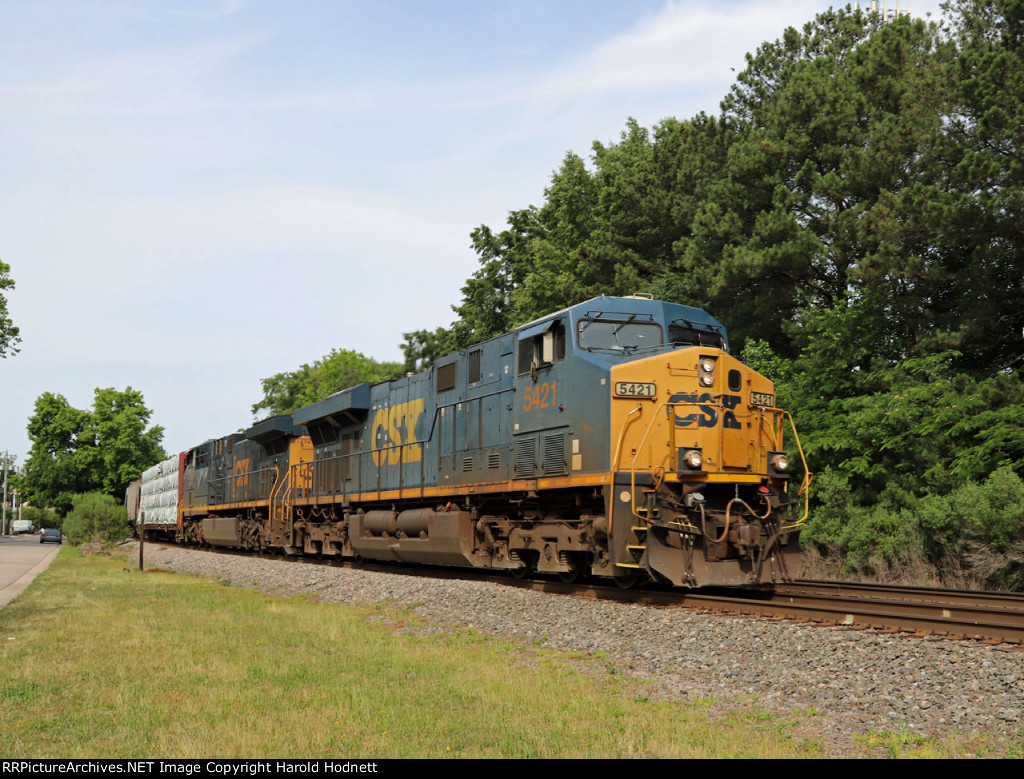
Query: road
<point x="22" y="558"/>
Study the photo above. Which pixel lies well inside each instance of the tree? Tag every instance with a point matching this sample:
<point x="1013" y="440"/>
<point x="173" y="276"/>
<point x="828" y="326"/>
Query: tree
<point x="285" y="392"/>
<point x="9" y="334"/>
<point x="60" y="463"/>
<point x="124" y="447"/>
<point x="610" y="228"/>
<point x="830" y="183"/>
<point x="76" y="451"/>
<point x="986" y="220"/>
<point x="40" y="517"/>
<point x="422" y="347"/>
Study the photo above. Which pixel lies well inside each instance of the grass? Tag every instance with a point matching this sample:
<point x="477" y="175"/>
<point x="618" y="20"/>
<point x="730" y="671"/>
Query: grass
<point x="102" y="661"/>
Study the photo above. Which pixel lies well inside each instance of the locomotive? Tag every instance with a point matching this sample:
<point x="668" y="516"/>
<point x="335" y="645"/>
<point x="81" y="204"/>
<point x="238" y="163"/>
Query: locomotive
<point x="617" y="438"/>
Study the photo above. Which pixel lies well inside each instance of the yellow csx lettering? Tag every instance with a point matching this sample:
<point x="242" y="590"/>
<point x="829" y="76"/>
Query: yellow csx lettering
<point x="242" y="472"/>
<point x="390" y="427"/>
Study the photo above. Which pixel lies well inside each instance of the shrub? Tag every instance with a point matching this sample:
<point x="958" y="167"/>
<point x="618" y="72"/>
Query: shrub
<point x="972" y="536"/>
<point x="40" y="517"/>
<point x="96" y="517"/>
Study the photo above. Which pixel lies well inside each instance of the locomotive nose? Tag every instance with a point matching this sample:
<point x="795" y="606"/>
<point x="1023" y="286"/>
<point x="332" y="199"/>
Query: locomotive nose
<point x="701" y="452"/>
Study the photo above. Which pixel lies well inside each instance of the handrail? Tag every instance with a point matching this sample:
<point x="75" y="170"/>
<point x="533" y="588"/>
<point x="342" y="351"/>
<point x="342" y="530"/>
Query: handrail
<point x="636" y="454"/>
<point x="433" y="421"/>
<point x="238" y="477"/>
<point x="278" y="488"/>
<point x="386" y="450"/>
<point x="669" y="407"/>
<point x="805" y="484"/>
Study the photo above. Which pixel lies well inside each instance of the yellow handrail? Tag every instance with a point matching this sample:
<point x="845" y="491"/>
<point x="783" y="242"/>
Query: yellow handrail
<point x="278" y="487"/>
<point x="804" y="484"/>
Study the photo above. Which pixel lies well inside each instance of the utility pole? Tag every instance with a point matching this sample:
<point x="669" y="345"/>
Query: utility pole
<point x="7" y="463"/>
<point x="3" y="523"/>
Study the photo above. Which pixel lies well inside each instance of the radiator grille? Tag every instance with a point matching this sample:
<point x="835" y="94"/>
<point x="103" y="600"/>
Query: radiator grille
<point x="526" y="455"/>
<point x="554" y="454"/>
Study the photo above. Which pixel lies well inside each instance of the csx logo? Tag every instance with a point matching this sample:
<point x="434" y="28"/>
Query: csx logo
<point x="708" y="416"/>
<point x="242" y="473"/>
<point x="393" y="425"/>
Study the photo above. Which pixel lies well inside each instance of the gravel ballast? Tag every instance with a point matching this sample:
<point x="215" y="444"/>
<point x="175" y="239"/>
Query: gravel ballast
<point x="854" y="681"/>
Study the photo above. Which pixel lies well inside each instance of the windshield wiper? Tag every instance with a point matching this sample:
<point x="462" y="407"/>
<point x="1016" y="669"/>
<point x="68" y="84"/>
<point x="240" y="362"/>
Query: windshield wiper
<point x="619" y="327"/>
<point x="590" y="321"/>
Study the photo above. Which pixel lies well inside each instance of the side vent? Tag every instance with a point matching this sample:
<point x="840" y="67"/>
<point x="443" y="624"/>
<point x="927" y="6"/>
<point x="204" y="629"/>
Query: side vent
<point x="445" y="377"/>
<point x="474" y="365"/>
<point x="526" y="456"/>
<point x="494" y="460"/>
<point x="554" y="454"/>
<point x="467" y="463"/>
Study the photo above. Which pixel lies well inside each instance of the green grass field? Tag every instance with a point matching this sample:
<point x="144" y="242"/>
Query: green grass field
<point x="100" y="660"/>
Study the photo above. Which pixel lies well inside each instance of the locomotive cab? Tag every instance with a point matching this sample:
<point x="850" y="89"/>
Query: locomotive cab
<point x="686" y="438"/>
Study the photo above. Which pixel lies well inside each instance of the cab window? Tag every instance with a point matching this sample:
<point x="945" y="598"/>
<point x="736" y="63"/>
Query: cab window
<point x="684" y="333"/>
<point x="542" y="349"/>
<point x="618" y="334"/>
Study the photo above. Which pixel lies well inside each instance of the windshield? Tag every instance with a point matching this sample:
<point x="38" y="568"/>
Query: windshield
<point x="697" y="335"/>
<point x="618" y="336"/>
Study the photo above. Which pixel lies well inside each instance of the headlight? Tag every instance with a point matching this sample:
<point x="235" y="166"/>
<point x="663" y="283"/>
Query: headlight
<point x="780" y="462"/>
<point x="707" y="371"/>
<point x="692" y="459"/>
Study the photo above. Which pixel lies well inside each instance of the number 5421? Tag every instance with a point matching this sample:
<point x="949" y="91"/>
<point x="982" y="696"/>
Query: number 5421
<point x="540" y="396"/>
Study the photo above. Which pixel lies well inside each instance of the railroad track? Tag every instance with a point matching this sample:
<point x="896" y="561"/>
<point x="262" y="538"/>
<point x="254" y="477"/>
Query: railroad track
<point x="994" y="617"/>
<point x="987" y="616"/>
<point x="956" y="614"/>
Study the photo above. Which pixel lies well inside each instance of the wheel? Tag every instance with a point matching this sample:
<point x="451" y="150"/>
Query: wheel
<point x="575" y="572"/>
<point x="628" y="581"/>
<point x="529" y="564"/>
<point x="571" y="577"/>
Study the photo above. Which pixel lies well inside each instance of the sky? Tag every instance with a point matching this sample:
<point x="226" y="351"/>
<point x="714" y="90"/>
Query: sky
<point x="198" y="194"/>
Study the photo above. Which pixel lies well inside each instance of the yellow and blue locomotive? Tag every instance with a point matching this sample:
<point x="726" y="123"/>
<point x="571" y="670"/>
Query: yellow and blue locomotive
<point x="616" y="438"/>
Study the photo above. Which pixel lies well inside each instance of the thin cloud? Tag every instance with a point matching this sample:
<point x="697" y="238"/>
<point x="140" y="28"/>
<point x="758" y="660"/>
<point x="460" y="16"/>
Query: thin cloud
<point x="168" y="80"/>
<point x="208" y="12"/>
<point x="687" y="44"/>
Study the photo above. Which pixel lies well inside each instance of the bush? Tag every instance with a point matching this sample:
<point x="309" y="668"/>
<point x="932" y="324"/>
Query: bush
<point x="96" y="517"/>
<point x="982" y="523"/>
<point x="40" y="517"/>
<point x="972" y="536"/>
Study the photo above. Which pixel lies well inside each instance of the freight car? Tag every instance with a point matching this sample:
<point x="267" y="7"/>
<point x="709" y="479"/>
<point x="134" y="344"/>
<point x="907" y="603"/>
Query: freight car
<point x="616" y="438"/>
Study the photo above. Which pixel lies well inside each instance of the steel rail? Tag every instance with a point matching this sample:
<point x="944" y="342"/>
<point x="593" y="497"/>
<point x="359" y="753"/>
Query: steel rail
<point x="957" y="614"/>
<point x="937" y="595"/>
<point x="982" y="622"/>
<point x="998" y="617"/>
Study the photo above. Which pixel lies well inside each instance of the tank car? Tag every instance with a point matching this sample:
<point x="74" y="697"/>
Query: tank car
<point x="616" y="438"/>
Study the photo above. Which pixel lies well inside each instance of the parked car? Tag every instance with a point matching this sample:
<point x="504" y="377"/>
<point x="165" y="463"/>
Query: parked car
<point x="51" y="534"/>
